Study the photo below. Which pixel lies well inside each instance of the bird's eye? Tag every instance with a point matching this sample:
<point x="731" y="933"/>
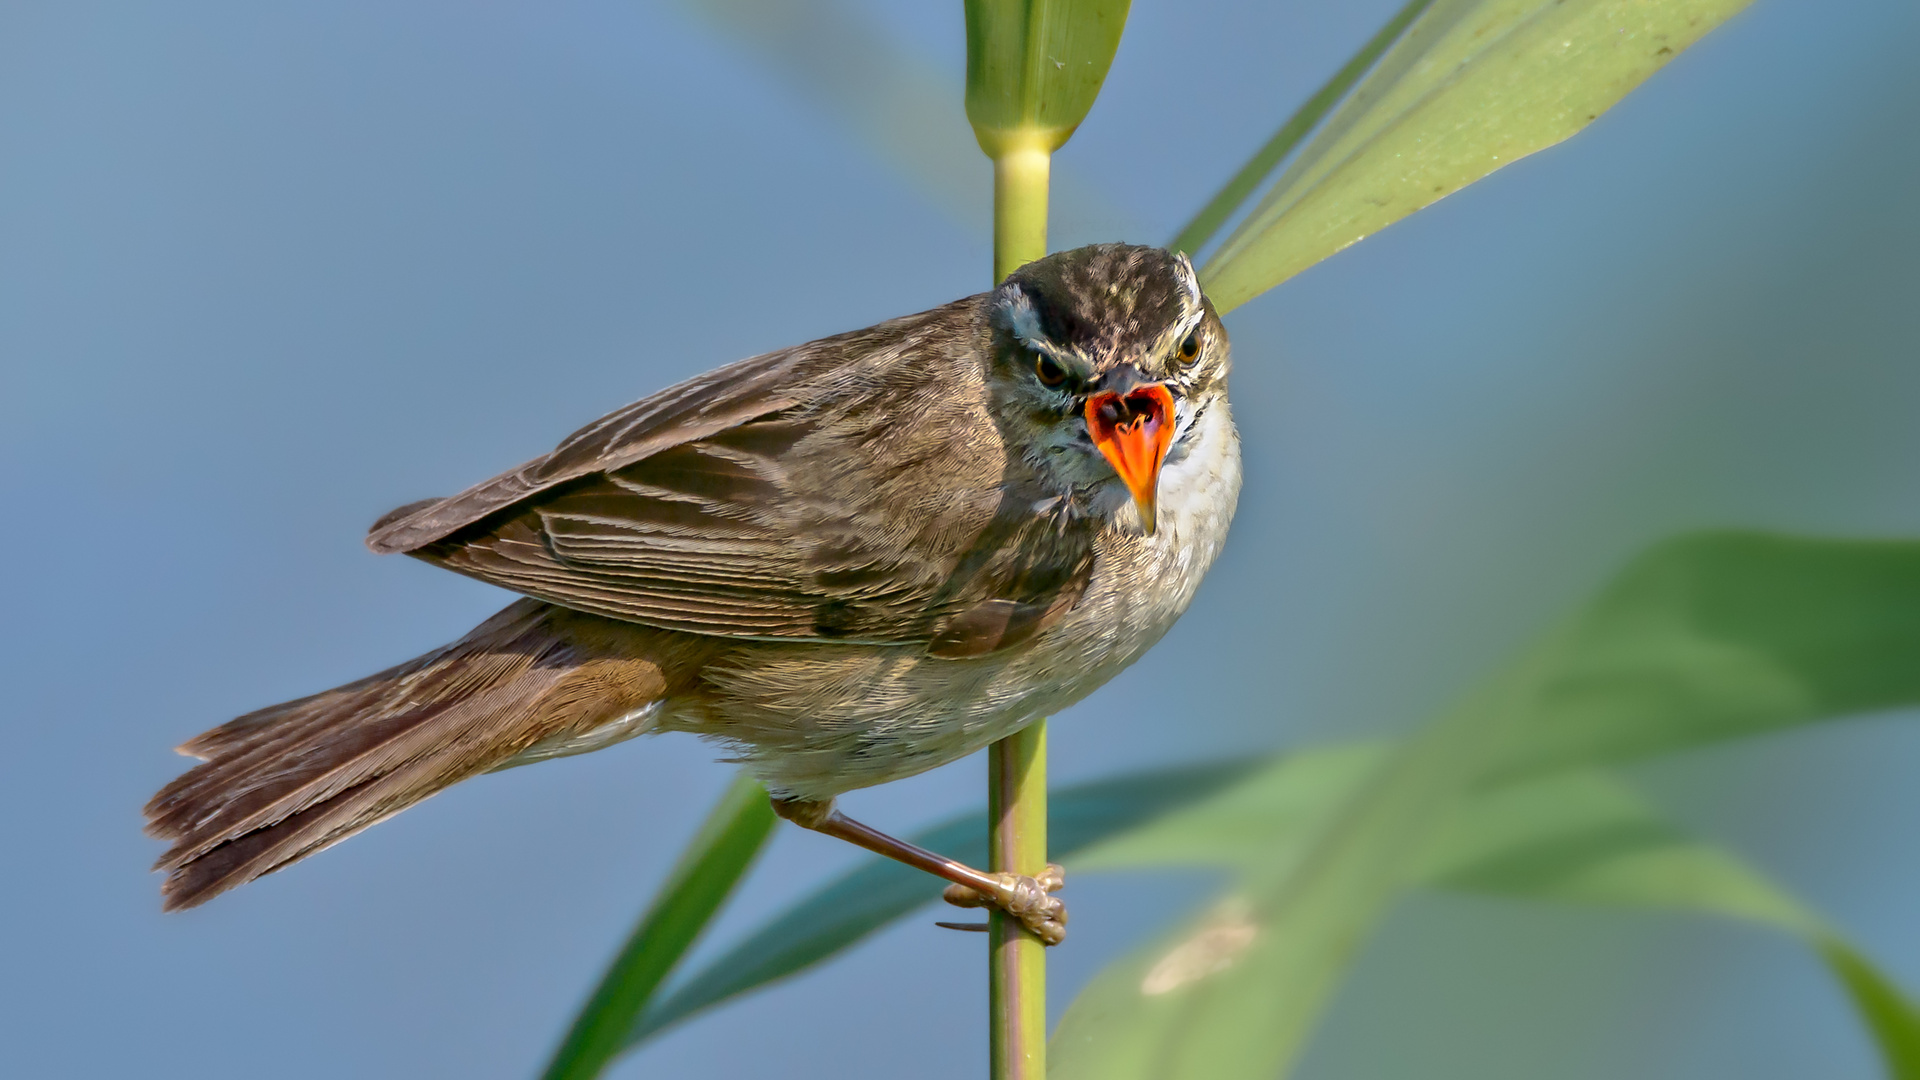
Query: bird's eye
<point x="1190" y="349"/>
<point x="1049" y="371"/>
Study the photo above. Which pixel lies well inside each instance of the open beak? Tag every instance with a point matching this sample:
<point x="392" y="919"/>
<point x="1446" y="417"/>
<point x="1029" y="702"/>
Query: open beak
<point x="1133" y="432"/>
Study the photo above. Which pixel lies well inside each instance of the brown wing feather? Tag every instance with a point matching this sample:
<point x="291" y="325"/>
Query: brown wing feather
<point x="712" y="402"/>
<point x="852" y="489"/>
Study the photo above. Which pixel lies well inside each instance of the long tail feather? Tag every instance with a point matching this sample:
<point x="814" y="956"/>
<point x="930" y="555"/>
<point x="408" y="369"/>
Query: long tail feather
<point x="284" y="782"/>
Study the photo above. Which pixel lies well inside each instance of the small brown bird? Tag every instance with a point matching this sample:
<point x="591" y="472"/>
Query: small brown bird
<point x="848" y="561"/>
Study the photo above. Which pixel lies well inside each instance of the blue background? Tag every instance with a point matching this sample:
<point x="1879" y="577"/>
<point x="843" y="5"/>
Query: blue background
<point x="267" y="271"/>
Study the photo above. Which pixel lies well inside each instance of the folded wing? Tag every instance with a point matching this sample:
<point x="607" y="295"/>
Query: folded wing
<point x="846" y="490"/>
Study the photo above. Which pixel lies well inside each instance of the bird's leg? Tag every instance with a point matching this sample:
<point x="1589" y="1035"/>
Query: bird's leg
<point x="1022" y="897"/>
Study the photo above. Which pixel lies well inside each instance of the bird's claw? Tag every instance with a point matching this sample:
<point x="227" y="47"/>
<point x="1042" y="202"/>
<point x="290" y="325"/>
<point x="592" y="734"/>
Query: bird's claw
<point x="1025" y="898"/>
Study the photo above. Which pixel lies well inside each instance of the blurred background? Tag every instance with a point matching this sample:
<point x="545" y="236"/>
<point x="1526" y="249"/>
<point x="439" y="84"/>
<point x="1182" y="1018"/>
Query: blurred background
<point x="267" y="271"/>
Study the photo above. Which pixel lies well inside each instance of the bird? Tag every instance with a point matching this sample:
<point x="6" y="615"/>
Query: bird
<point x="845" y="562"/>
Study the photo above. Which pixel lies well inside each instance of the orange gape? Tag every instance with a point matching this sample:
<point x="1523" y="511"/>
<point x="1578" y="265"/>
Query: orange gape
<point x="1133" y="433"/>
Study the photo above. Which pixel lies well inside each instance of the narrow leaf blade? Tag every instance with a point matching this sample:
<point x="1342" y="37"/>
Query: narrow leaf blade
<point x="712" y="864"/>
<point x="879" y="891"/>
<point x="1259" y="168"/>
<point x="1471" y="87"/>
<point x="1889" y="1014"/>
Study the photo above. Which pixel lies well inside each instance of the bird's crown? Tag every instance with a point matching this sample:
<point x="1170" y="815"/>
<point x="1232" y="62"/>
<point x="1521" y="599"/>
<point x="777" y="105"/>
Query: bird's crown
<point x="1095" y="307"/>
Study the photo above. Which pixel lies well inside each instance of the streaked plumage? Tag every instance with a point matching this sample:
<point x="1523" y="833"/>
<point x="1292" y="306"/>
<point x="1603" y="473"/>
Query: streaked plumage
<point x="851" y="561"/>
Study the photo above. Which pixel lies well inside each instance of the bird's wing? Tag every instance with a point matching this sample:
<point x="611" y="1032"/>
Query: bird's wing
<point x="703" y="405"/>
<point x="853" y="489"/>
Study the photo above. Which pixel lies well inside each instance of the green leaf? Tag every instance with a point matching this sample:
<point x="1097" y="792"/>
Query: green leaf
<point x="1573" y="837"/>
<point x="1470" y="87"/>
<point x="1258" y="169"/>
<point x="1584" y="837"/>
<point x="1725" y="635"/>
<point x="1235" y="994"/>
<point x="880" y="891"/>
<point x="1265" y="815"/>
<point x="1889" y="1014"/>
<point x="1712" y="637"/>
<point x="1035" y="66"/>
<point x="712" y="864"/>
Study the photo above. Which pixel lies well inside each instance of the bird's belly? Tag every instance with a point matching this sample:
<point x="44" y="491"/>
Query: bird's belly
<point x="812" y="721"/>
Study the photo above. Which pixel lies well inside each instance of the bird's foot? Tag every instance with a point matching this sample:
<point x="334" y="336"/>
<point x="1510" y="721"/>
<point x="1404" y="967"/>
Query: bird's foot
<point x="1025" y="898"/>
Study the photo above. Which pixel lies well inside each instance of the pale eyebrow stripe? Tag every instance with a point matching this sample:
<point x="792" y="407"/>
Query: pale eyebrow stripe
<point x="1024" y="321"/>
<point x="1190" y="281"/>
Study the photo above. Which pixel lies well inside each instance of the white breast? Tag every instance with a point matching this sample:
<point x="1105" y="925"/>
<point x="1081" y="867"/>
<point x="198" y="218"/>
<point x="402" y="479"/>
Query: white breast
<point x="1142" y="584"/>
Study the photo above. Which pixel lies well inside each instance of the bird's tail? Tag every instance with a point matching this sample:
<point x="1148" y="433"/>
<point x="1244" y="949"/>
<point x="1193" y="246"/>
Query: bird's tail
<point x="279" y="784"/>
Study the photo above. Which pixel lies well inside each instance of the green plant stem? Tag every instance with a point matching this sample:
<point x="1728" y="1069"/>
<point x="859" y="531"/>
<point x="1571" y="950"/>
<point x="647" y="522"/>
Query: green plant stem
<point x="1019" y="206"/>
<point x="1017" y="764"/>
<point x="1017" y="961"/>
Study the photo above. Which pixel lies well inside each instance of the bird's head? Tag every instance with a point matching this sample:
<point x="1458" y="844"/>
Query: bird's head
<point x="1104" y="358"/>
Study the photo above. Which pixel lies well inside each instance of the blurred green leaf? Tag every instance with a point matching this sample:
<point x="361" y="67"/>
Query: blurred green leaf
<point x="1034" y="68"/>
<point x="879" y="891"/>
<point x="1584" y="837"/>
<point x="1575" y="837"/>
<point x="712" y="864"/>
<point x="1471" y="86"/>
<point x="1579" y="837"/>
<point x="1235" y="994"/>
<point x="897" y="101"/>
<point x="892" y="98"/>
<point x="1707" y="638"/>
<point x="1888" y="1013"/>
<point x="1264" y="814"/>
<point x="1725" y="635"/>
